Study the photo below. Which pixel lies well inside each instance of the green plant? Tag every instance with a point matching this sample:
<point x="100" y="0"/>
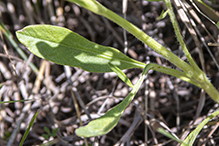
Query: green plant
<point x="28" y="129"/>
<point x="65" y="47"/>
<point x="49" y="133"/>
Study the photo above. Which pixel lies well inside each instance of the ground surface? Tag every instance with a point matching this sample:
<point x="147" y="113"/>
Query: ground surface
<point x="169" y="100"/>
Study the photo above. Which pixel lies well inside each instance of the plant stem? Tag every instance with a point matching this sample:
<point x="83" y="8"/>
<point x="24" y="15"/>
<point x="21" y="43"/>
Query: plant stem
<point x="198" y="74"/>
<point x="210" y="89"/>
<point x="179" y="36"/>
<point x="99" y="9"/>
<point x="193" y="72"/>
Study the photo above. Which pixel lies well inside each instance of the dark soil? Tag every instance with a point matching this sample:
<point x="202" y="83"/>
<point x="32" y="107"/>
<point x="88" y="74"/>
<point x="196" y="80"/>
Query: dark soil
<point x="169" y="100"/>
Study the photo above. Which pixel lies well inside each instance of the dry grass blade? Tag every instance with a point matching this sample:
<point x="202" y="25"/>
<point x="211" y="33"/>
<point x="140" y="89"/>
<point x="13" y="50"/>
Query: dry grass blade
<point x="78" y="113"/>
<point x="6" y="52"/>
<point x="199" y="34"/>
<point x="190" y="24"/>
<point x="206" y="11"/>
<point x="39" y="77"/>
<point x="124" y="10"/>
<point x="12" y="41"/>
<point x="183" y="13"/>
<point x="128" y="134"/>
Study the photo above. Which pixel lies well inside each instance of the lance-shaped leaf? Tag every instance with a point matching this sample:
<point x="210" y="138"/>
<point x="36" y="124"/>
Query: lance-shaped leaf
<point x="163" y="14"/>
<point x="190" y="139"/>
<point x="65" y="47"/>
<point x="28" y="129"/>
<point x="171" y="136"/>
<point x="108" y="121"/>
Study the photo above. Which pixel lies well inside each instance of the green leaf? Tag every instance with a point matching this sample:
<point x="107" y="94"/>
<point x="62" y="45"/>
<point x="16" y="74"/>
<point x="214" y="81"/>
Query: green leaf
<point x="167" y="134"/>
<point x="65" y="47"/>
<point x="47" y="130"/>
<point x="108" y="121"/>
<point x="163" y="14"/>
<point x="7" y="134"/>
<point x="121" y="75"/>
<point x="28" y="129"/>
<point x="96" y="7"/>
<point x="54" y="132"/>
<point x="190" y="139"/>
<point x="46" y="136"/>
<point x="13" y="101"/>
